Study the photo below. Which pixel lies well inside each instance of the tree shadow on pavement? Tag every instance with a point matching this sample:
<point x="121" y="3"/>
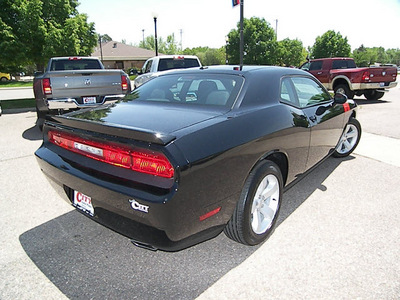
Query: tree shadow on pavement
<point x="85" y="260"/>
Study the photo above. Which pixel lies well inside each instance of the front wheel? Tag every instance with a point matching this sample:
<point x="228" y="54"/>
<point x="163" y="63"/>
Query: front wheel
<point x="257" y="210"/>
<point x="349" y="139"/>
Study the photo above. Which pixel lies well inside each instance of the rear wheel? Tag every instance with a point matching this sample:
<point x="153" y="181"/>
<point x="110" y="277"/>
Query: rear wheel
<point x="255" y="215"/>
<point x="373" y="94"/>
<point x="349" y="139"/>
<point x="344" y="89"/>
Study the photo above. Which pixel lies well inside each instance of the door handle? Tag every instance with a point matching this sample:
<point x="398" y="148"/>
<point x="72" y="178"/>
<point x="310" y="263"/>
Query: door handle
<point x="319" y="73"/>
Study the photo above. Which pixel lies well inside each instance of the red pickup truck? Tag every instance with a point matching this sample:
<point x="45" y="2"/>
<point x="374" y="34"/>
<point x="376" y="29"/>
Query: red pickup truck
<point x="342" y="75"/>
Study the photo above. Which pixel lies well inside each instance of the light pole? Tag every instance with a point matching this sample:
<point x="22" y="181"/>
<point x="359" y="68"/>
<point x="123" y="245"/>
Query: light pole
<point x="155" y="34"/>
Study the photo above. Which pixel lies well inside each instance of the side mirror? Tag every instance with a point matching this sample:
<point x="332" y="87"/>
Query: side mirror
<point x="340" y="98"/>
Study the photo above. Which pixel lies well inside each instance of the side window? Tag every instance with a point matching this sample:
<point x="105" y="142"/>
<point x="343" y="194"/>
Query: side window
<point x="147" y="67"/>
<point x="305" y="66"/>
<point x="351" y="64"/>
<point x="287" y="94"/>
<point x="309" y="92"/>
<point x="339" y="64"/>
<point x="316" y="65"/>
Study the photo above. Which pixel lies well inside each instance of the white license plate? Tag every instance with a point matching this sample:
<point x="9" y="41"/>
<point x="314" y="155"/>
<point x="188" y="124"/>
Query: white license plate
<point x="83" y="202"/>
<point x="89" y="100"/>
<point x="382" y="84"/>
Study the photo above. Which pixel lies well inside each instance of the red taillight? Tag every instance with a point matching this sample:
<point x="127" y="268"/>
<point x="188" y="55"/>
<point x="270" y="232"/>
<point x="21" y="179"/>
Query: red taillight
<point x="365" y="76"/>
<point x="124" y="83"/>
<point x="143" y="161"/>
<point x="150" y="163"/>
<point x="46" y="86"/>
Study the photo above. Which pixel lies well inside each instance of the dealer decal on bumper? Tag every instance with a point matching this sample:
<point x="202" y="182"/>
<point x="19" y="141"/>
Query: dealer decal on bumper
<point x="137" y="206"/>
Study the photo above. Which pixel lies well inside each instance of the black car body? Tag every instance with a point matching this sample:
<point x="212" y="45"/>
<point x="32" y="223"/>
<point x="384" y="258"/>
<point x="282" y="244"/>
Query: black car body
<point x="182" y="156"/>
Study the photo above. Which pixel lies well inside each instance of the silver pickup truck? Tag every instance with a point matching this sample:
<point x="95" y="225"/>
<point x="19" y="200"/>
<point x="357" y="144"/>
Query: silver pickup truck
<point x="77" y="82"/>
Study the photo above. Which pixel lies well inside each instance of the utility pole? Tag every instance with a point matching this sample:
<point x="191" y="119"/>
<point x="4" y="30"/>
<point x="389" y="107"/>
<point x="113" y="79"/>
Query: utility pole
<point x="276" y="28"/>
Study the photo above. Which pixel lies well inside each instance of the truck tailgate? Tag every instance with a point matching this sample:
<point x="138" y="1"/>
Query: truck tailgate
<point x="85" y="83"/>
<point x="382" y="74"/>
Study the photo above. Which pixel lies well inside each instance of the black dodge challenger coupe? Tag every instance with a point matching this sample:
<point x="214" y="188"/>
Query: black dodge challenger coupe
<point x="195" y="152"/>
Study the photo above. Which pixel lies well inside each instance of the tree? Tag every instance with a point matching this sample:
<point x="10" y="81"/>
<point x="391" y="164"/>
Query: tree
<point x="104" y="38"/>
<point x="32" y="31"/>
<point x="260" y="45"/>
<point x="331" y="44"/>
<point x="292" y="52"/>
<point x="365" y="57"/>
<point x="169" y="46"/>
<point x="207" y="56"/>
<point x="394" y="56"/>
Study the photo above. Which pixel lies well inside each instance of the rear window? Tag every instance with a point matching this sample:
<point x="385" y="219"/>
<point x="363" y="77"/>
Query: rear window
<point x="177" y="63"/>
<point x="75" y="64"/>
<point x="192" y="89"/>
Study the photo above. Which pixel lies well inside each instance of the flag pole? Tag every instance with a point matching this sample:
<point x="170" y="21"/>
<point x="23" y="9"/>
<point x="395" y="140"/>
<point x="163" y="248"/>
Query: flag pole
<point x="241" y="34"/>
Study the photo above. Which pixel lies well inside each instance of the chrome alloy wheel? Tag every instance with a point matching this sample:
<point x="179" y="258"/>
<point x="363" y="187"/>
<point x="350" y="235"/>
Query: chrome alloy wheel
<point x="341" y="91"/>
<point x="265" y="204"/>
<point x="348" y="139"/>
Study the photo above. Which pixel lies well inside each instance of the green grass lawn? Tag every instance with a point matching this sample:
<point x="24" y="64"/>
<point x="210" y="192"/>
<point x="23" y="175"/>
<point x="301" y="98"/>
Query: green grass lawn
<point x="18" y="103"/>
<point x="13" y="83"/>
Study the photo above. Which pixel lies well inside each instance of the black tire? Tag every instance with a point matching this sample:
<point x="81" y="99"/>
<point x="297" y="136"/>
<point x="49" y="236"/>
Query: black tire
<point x="344" y="89"/>
<point x="349" y="140"/>
<point x="373" y="94"/>
<point x="250" y="208"/>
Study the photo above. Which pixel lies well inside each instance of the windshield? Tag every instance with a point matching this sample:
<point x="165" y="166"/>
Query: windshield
<point x="192" y="89"/>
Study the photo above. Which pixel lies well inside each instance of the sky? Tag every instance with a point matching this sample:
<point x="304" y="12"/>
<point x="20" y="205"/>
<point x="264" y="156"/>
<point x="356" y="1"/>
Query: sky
<point x="372" y="23"/>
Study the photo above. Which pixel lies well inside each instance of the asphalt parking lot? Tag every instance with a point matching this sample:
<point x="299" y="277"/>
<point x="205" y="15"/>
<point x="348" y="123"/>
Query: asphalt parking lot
<point x="338" y="235"/>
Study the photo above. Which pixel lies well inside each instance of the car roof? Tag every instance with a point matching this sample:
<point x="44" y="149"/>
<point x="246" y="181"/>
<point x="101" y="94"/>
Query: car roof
<point x="174" y="56"/>
<point x="236" y="70"/>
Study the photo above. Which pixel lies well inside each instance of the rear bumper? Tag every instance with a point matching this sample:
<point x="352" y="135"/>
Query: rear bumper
<point x="374" y="85"/>
<point x="169" y="225"/>
<point x="72" y="103"/>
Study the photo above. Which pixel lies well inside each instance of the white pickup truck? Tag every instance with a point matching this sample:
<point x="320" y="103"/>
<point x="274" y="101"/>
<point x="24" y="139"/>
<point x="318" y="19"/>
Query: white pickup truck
<point x="77" y="82"/>
<point x="163" y="63"/>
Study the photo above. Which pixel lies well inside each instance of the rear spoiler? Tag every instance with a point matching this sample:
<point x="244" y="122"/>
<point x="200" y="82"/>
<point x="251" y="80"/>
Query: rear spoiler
<point x="139" y="134"/>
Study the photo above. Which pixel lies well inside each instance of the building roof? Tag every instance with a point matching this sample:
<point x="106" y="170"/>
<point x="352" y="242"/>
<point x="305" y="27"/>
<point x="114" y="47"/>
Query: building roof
<point x="119" y="51"/>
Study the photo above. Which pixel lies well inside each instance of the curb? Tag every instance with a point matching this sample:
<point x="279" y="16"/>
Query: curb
<point x="17" y="110"/>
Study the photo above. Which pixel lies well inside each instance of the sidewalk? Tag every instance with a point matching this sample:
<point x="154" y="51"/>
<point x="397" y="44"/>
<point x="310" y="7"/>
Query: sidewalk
<point x="16" y="93"/>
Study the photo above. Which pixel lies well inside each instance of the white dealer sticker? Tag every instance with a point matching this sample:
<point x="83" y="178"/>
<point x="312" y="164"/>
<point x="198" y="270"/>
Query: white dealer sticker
<point x="83" y="202"/>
